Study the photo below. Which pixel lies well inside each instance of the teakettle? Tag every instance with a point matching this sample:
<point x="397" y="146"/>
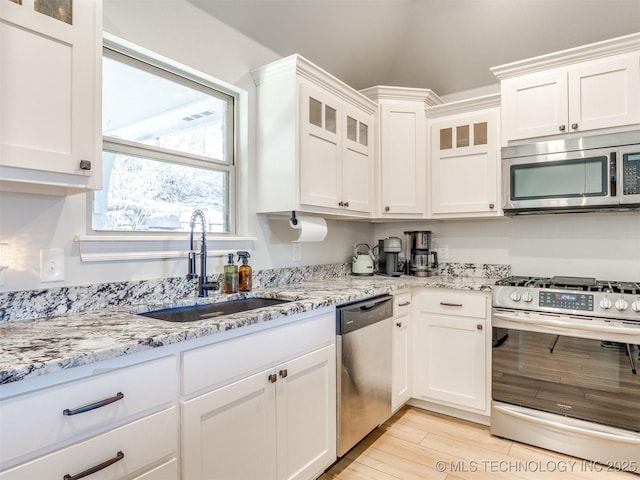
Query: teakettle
<point x="362" y="263"/>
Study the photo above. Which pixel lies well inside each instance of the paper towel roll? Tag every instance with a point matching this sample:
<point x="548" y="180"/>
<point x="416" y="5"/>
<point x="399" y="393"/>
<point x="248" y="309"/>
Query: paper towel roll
<point x="310" y="229"/>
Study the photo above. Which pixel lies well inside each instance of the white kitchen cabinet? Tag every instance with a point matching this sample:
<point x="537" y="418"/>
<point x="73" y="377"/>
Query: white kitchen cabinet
<point x="464" y="160"/>
<point x="402" y="144"/>
<point x="56" y="413"/>
<point x="50" y="100"/>
<point x="87" y="421"/>
<point x="315" y="142"/>
<point x="401" y="350"/>
<point x="276" y="419"/>
<point x="143" y="445"/>
<point x="593" y="87"/>
<point x="451" y="348"/>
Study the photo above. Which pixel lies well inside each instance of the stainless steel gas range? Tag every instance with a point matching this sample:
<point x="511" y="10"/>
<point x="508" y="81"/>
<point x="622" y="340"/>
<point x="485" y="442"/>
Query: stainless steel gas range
<point x="565" y="360"/>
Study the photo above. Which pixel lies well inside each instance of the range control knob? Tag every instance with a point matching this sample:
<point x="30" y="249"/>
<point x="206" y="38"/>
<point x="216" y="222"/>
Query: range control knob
<point x="605" y="303"/>
<point x="635" y="306"/>
<point x="527" y="297"/>
<point x="515" y="296"/>
<point x="621" y="304"/>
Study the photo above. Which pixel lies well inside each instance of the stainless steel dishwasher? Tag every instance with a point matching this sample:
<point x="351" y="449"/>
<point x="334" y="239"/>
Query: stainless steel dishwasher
<point x="363" y="338"/>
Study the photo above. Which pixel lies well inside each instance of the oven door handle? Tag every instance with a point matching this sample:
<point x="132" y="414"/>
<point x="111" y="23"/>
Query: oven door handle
<point x="618" y="437"/>
<point x="538" y="320"/>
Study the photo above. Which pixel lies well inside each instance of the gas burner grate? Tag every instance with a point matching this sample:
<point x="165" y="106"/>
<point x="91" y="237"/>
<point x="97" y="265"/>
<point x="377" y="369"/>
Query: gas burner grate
<point x="585" y="284"/>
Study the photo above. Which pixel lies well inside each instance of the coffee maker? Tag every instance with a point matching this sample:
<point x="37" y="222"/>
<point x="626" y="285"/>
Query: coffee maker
<point x="422" y="261"/>
<point x="388" y="252"/>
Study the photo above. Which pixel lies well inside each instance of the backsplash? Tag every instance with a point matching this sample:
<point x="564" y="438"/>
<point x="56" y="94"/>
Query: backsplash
<point x="52" y="302"/>
<point x="482" y="270"/>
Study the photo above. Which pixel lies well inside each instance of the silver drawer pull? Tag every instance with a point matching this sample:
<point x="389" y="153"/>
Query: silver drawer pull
<point x="90" y="471"/>
<point x="404" y="304"/>
<point x="94" y="405"/>
<point x="446" y="304"/>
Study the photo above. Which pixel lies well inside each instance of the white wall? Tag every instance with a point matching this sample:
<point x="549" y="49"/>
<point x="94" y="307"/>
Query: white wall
<point x="177" y="30"/>
<point x="601" y="245"/>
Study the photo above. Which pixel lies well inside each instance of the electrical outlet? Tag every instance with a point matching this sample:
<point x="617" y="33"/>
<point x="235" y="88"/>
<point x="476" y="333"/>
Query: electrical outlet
<point x="296" y="252"/>
<point x="52" y="265"/>
<point x="443" y="252"/>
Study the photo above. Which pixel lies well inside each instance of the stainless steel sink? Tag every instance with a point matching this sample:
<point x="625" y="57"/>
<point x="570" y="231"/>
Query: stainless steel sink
<point x="204" y="312"/>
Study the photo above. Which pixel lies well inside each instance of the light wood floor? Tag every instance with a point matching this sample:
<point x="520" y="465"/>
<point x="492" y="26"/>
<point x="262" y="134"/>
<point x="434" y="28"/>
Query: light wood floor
<point x="417" y="445"/>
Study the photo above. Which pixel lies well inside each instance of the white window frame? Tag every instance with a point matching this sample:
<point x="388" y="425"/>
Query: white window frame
<point x="98" y="246"/>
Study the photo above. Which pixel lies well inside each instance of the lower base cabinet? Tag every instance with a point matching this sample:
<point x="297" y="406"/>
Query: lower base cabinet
<point x="133" y="451"/>
<point x="276" y="424"/>
<point x="451" y="348"/>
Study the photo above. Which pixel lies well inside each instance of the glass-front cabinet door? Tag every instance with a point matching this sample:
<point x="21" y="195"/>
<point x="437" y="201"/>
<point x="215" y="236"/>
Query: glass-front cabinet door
<point x="464" y="165"/>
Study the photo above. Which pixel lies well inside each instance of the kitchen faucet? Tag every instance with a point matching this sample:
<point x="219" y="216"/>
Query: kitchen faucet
<point x="203" y="285"/>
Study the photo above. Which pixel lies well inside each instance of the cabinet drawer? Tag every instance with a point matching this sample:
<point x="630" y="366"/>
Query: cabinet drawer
<point x="401" y="304"/>
<point x="142" y="387"/>
<point x="220" y="362"/>
<point x="166" y="471"/>
<point x="142" y="443"/>
<point x="451" y="302"/>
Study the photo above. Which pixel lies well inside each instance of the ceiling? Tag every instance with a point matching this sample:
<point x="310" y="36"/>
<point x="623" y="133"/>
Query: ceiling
<point x="445" y="45"/>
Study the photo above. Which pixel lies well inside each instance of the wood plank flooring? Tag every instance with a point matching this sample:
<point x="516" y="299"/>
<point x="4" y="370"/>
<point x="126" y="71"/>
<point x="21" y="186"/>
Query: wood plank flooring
<point x="419" y="445"/>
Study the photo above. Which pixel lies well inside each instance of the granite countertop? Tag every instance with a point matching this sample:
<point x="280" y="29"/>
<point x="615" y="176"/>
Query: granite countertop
<point x="32" y="348"/>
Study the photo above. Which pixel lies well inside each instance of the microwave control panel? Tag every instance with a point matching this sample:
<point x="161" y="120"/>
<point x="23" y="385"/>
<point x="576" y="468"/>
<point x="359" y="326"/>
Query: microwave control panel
<point x="631" y="173"/>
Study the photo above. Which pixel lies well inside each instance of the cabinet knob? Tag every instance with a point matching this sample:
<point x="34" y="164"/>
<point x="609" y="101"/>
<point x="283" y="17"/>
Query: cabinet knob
<point x="574" y="126"/>
<point x="273" y="378"/>
<point x="346" y="204"/>
<point x="283" y="373"/>
<point x="479" y="326"/>
<point x="562" y="128"/>
<point x="492" y="206"/>
<point x="341" y="204"/>
<point x="85" y="165"/>
<point x="399" y="324"/>
<point x="386" y="209"/>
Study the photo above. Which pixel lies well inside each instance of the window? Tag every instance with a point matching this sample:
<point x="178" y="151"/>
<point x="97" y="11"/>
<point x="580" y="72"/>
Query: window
<point x="168" y="148"/>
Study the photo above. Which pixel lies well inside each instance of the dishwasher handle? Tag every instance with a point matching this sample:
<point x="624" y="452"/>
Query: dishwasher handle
<point x="358" y="315"/>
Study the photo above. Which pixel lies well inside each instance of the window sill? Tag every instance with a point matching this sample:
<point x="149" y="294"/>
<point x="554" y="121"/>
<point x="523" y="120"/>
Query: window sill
<point x="109" y="248"/>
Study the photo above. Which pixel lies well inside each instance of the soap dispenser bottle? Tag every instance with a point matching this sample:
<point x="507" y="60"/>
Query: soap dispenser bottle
<point x="245" y="273"/>
<point x="231" y="276"/>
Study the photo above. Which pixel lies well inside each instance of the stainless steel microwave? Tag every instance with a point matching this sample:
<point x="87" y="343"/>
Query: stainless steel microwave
<point x="571" y="175"/>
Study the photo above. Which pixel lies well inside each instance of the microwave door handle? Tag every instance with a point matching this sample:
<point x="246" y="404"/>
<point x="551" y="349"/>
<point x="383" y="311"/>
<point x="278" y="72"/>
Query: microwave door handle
<point x="613" y="176"/>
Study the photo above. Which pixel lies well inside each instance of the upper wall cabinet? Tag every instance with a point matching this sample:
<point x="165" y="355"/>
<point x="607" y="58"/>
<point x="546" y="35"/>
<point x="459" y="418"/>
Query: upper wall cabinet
<point x="315" y="142"/>
<point x="592" y="87"/>
<point x="50" y="100"/>
<point x="402" y="143"/>
<point x="464" y="159"/>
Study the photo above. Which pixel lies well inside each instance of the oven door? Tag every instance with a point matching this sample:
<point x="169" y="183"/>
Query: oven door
<point x="571" y="366"/>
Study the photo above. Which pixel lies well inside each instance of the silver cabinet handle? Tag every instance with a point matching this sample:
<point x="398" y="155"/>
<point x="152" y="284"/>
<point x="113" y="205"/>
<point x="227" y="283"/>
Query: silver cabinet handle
<point x="284" y="373"/>
<point x="85" y="164"/>
<point x="479" y="326"/>
<point x="562" y="128"/>
<point x="386" y="209"/>
<point x="273" y="378"/>
<point x="96" y="468"/>
<point x="574" y="126"/>
<point x="404" y="304"/>
<point x="94" y="405"/>
<point x="446" y="304"/>
<point x="492" y="206"/>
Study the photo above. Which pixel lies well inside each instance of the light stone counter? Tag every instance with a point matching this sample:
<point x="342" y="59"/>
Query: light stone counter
<point x="36" y="347"/>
